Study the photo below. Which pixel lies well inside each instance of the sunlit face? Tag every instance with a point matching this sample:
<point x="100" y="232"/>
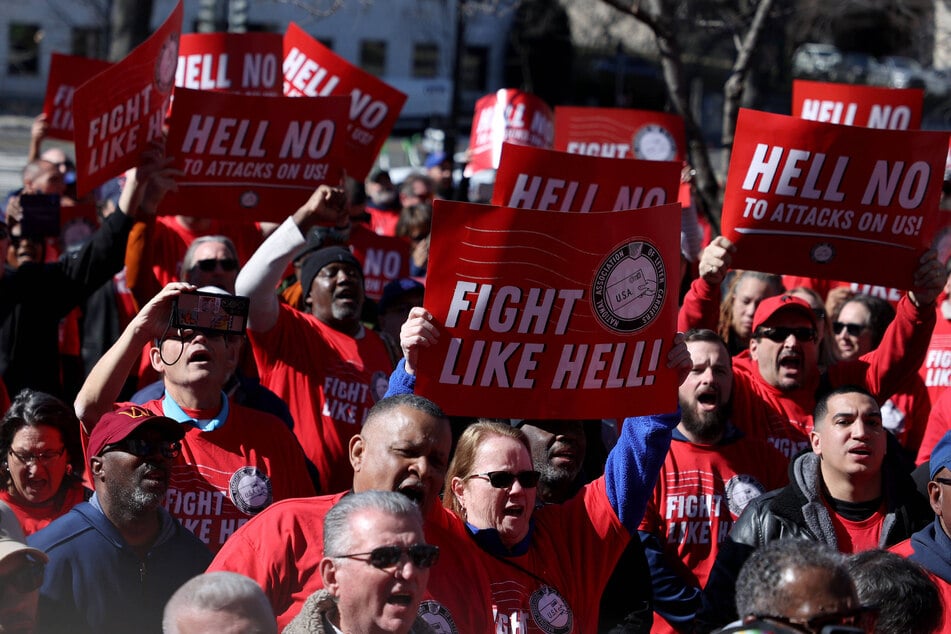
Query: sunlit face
<point x="369" y="599"/>
<point x="21" y="249"/>
<point x="191" y="359"/>
<point x="705" y="393"/>
<point x="809" y="592"/>
<point x="850" y="439"/>
<point x="49" y="180"/>
<point x="788" y="364"/>
<point x="336" y="296"/>
<point x="37" y="461"/>
<point x="750" y="292"/>
<point x="939" y="495"/>
<point x="851" y="346"/>
<point x="407" y="451"/>
<point x="133" y="485"/>
<point x="220" y="277"/>
<point x="506" y="510"/>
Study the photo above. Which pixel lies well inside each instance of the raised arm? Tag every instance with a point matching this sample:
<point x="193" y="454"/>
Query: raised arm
<point x="259" y="278"/>
<point x="701" y="307"/>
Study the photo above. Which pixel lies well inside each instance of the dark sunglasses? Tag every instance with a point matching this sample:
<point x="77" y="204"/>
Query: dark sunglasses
<point x="26" y="579"/>
<point x="208" y="266"/>
<point x="505" y="479"/>
<point x="185" y="335"/>
<point x="141" y="448"/>
<point x="422" y="556"/>
<point x="780" y="334"/>
<point x="854" y="330"/>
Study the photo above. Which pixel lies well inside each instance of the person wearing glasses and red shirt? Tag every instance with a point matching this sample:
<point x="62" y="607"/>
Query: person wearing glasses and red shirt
<point x="375" y="568"/>
<point x="776" y="380"/>
<point x="115" y="560"/>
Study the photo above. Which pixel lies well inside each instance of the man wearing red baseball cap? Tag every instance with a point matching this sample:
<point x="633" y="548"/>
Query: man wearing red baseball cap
<point x="115" y="560"/>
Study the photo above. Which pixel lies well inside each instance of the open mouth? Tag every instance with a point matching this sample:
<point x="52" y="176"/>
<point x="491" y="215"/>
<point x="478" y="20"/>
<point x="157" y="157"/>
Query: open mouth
<point x="791" y="362"/>
<point x="400" y="598"/>
<point x="514" y="511"/>
<point x="414" y="492"/>
<point x="708" y="399"/>
<point x="200" y="355"/>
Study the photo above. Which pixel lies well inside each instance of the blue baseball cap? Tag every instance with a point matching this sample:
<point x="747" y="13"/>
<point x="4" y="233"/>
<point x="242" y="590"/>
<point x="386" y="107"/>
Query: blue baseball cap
<point x="434" y="159"/>
<point x="940" y="455"/>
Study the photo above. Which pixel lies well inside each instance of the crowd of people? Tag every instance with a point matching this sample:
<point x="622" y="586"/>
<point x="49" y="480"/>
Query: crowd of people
<point x="161" y="476"/>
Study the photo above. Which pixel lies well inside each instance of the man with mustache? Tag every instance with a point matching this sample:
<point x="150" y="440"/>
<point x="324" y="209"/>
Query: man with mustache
<point x="323" y="362"/>
<point x="115" y="560"/>
<point x="710" y="474"/>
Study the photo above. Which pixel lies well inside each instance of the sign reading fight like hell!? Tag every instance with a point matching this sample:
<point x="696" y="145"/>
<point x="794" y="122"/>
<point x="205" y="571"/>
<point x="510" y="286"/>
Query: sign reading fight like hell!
<point x="247" y="63"/>
<point x="122" y="109"/>
<point x="542" y="317"/>
<point x="832" y="201"/>
<point x="313" y="70"/>
<point x="67" y="72"/>
<point x="533" y="178"/>
<point x="865" y="106"/>
<point x="620" y="133"/>
<point x="507" y="116"/>
<point x="252" y="158"/>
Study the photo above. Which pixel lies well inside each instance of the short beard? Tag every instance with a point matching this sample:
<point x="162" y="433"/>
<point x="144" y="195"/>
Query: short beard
<point x="346" y="314"/>
<point x="707" y="427"/>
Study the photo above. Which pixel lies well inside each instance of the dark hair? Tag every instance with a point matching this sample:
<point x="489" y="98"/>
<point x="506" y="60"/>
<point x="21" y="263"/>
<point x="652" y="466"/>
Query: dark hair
<point x="413" y="401"/>
<point x="413" y="218"/>
<point x="880" y="314"/>
<point x="703" y="334"/>
<point x="822" y="400"/>
<point x="31" y="408"/>
<point x="907" y="599"/>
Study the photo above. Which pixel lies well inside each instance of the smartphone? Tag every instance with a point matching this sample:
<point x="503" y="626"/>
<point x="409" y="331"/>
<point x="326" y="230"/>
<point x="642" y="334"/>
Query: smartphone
<point x="40" y="215"/>
<point x="211" y="312"/>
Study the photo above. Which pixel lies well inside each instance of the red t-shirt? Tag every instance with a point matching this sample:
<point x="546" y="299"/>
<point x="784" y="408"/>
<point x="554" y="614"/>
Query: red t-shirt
<point x="856" y="536"/>
<point x="905" y="549"/>
<point x="936" y="370"/>
<point x="33" y="518"/>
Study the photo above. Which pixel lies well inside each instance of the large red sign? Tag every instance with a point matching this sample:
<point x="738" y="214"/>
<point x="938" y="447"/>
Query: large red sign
<point x="313" y="70"/>
<point x="620" y="133"/>
<point x="543" y="317"/>
<point x="259" y="165"/>
<point x="120" y="110"/>
<point x="383" y="259"/>
<point x="832" y="201"/>
<point x="248" y="63"/>
<point x="507" y="116"/>
<point x="866" y="106"/>
<point x="67" y="72"/>
<point x="533" y="178"/>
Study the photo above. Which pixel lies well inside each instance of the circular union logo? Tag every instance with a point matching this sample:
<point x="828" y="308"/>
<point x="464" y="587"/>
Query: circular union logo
<point x="653" y="142"/>
<point x="250" y="490"/>
<point x="437" y="617"/>
<point x="550" y="611"/>
<point x="629" y="287"/>
<point x="249" y="199"/>
<point x="740" y="489"/>
<point x="822" y="253"/>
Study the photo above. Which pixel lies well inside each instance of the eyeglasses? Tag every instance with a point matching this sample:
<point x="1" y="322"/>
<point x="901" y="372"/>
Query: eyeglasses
<point x="208" y="266"/>
<point x="26" y="579"/>
<point x="187" y="334"/>
<point x="854" y="330"/>
<point x="422" y="556"/>
<point x="42" y="458"/>
<point x="141" y="448"/>
<point x="843" y="621"/>
<point x="505" y="479"/>
<point x="780" y="334"/>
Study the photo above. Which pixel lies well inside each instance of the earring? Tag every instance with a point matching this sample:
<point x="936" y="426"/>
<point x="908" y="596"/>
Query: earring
<point x="69" y="469"/>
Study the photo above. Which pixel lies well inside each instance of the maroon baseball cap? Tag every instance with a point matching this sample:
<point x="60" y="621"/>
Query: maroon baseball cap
<point x="780" y="303"/>
<point x="118" y="424"/>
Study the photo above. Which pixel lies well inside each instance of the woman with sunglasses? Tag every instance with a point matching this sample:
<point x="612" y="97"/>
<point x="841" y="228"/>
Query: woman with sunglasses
<point x="547" y="567"/>
<point x="42" y="459"/>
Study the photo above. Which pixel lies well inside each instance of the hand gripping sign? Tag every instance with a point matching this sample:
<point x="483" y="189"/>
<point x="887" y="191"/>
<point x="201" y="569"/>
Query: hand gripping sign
<point x="620" y="133"/>
<point x="832" y="201"/>
<point x="67" y="72"/>
<point x="866" y="106"/>
<point x="260" y="164"/>
<point x="534" y="178"/>
<point x="313" y="70"/>
<point x="543" y="317"/>
<point x="120" y="110"/>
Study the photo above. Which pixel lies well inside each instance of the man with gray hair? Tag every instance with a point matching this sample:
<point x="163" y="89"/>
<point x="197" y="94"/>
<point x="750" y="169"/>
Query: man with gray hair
<point x="223" y="602"/>
<point x="375" y="568"/>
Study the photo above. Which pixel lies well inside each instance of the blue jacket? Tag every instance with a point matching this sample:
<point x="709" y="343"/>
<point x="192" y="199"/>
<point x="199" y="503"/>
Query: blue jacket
<point x="95" y="583"/>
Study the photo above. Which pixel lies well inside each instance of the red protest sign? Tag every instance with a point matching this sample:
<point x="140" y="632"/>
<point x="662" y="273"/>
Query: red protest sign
<point x="67" y="72"/>
<point x="620" y="133"/>
<point x="383" y="258"/>
<point x="313" y="70"/>
<point x="533" y="178"/>
<point x="507" y="116"/>
<point x="120" y="110"/>
<point x="259" y="166"/>
<point x="831" y="201"/>
<point x="541" y="317"/>
<point x="248" y="63"/>
<point x="850" y="104"/>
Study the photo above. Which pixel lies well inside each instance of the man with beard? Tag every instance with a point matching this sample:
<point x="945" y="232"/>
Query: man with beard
<point x="403" y="446"/>
<point x="324" y="363"/>
<point x="711" y="472"/>
<point x="115" y="560"/>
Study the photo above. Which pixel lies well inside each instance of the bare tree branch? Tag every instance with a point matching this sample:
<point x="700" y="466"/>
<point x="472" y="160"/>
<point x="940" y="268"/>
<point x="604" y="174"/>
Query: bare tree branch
<point x="733" y="89"/>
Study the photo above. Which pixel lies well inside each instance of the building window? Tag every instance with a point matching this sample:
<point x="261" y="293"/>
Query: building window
<point x="23" y="55"/>
<point x="373" y="57"/>
<point x="425" y="60"/>
<point x="87" y="42"/>
<point x="474" y="71"/>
